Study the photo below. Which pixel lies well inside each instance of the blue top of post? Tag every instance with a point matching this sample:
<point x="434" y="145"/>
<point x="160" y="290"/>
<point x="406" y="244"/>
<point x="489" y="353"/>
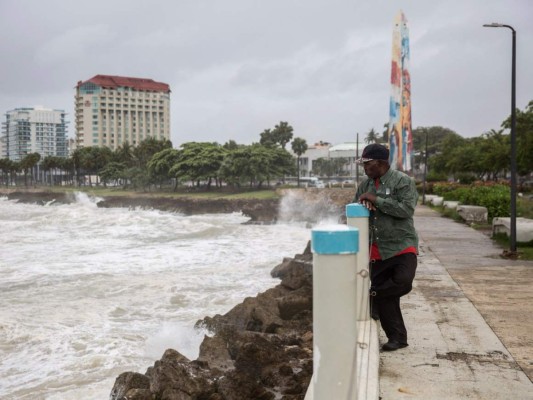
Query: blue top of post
<point x="356" y="210"/>
<point x="335" y="239"/>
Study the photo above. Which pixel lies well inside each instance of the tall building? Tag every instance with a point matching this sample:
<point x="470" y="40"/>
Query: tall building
<point x="34" y="130"/>
<point x="113" y="110"/>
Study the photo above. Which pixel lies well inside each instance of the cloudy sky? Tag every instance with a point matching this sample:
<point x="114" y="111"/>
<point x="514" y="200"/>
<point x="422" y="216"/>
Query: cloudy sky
<point x="237" y="67"/>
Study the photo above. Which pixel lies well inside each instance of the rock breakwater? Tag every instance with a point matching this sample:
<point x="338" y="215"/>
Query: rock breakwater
<point x="261" y="349"/>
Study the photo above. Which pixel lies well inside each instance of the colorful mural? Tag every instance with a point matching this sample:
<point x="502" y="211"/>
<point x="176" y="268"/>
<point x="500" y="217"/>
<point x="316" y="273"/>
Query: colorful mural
<point x="400" y="129"/>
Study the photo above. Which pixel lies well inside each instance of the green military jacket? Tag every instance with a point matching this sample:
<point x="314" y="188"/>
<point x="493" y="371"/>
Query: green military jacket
<point x="391" y="225"/>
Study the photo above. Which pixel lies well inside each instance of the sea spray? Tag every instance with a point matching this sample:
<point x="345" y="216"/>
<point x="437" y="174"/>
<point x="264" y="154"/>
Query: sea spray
<point x="309" y="205"/>
<point x="88" y="293"/>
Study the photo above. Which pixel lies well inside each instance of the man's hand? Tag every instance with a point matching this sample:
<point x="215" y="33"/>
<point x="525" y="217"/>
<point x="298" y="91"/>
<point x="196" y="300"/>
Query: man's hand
<point x="368" y="200"/>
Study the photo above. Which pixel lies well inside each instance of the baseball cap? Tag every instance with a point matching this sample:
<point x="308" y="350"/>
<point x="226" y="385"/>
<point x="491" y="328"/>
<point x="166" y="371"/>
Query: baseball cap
<point x="374" y="151"/>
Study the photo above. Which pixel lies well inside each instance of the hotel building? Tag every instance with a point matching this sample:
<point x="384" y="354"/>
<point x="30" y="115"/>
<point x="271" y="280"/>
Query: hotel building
<point x="113" y="110"/>
<point x="34" y="130"/>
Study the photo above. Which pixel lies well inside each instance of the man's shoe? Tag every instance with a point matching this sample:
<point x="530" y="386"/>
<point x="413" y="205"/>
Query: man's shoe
<point x="393" y="345"/>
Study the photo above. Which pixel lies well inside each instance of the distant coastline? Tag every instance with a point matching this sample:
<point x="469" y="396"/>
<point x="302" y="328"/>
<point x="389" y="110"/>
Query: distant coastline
<point x="260" y="206"/>
<point x="258" y="210"/>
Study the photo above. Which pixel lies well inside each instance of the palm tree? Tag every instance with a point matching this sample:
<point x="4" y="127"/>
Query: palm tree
<point x="372" y="137"/>
<point x="124" y="154"/>
<point x="283" y="133"/>
<point x="299" y="146"/>
<point x="27" y="164"/>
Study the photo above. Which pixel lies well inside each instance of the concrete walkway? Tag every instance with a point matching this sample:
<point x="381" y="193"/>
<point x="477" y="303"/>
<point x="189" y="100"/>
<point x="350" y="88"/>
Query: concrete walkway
<point x="469" y="320"/>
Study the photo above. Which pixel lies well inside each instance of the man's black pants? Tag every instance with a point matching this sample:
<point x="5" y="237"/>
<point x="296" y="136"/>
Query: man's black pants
<point x="391" y="279"/>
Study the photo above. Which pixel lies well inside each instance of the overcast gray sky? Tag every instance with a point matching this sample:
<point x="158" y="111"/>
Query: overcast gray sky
<point x="237" y="67"/>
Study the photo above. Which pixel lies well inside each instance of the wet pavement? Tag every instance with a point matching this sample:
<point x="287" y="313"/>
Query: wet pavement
<point x="469" y="319"/>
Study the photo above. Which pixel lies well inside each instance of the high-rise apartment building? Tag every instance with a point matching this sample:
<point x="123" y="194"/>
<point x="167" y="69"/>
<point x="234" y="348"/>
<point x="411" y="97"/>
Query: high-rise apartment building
<point x="113" y="110"/>
<point x="34" y="130"/>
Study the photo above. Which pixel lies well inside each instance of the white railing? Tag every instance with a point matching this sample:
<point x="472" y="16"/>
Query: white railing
<point x="345" y="355"/>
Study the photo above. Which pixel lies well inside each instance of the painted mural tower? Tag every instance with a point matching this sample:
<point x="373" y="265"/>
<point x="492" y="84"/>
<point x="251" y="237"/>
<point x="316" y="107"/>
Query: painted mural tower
<point x="400" y="129"/>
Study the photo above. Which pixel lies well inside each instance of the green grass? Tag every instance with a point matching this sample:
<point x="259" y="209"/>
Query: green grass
<point x="524" y="207"/>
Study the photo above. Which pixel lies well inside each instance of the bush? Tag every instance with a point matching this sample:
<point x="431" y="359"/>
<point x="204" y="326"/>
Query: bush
<point x="435" y="177"/>
<point x="465" y="179"/>
<point x="494" y="197"/>
<point x="440" y="188"/>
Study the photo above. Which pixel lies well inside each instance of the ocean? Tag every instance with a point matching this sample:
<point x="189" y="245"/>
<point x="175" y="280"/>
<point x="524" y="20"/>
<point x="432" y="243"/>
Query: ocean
<point x="87" y="293"/>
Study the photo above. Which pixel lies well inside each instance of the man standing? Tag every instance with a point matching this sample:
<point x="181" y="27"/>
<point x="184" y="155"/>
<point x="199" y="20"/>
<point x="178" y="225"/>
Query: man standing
<point x="391" y="198"/>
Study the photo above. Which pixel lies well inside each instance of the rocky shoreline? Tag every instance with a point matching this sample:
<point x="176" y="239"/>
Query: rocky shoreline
<point x="261" y="349"/>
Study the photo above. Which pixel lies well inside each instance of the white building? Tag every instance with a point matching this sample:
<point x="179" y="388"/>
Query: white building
<point x="34" y="130"/>
<point x="351" y="151"/>
<point x="113" y="110"/>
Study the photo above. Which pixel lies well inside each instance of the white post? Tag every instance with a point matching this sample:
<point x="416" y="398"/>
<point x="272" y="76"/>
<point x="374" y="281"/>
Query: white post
<point x="357" y="217"/>
<point x="334" y="313"/>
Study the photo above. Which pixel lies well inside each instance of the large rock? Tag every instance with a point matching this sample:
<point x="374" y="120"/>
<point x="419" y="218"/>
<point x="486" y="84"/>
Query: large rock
<point x="43" y="197"/>
<point x="129" y="383"/>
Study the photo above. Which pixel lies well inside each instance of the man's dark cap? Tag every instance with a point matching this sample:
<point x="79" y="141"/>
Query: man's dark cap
<point x="374" y="151"/>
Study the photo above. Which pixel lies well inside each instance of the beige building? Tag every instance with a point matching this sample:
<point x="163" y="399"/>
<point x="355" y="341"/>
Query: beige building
<point x="113" y="110"/>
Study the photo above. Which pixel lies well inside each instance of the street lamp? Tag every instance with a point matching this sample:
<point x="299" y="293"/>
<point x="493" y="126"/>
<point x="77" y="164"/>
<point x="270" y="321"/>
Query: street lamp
<point x="425" y="169"/>
<point x="513" y="136"/>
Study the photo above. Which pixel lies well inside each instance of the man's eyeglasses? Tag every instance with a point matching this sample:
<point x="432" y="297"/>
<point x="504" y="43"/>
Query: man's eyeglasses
<point x="365" y="160"/>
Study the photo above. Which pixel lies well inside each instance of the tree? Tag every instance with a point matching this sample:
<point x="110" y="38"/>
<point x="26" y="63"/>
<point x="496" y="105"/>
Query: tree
<point x="68" y="166"/>
<point x="439" y="162"/>
<point x="147" y="148"/>
<point x="372" y="137"/>
<point x="267" y="138"/>
<point x="113" y="171"/>
<point x="299" y="147"/>
<point x="283" y="133"/>
<point x="27" y="164"/>
<point x="8" y="168"/>
<point x="524" y="139"/>
<point x="280" y="135"/>
<point x="230" y="145"/>
<point x="90" y="160"/>
<point x="161" y="163"/>
<point x="255" y="164"/>
<point x="124" y="154"/>
<point x="436" y="136"/>
<point x="199" y="161"/>
<point x="49" y="164"/>
<point x="495" y="149"/>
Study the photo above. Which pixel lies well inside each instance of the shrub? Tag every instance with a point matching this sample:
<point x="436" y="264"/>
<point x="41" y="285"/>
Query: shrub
<point x="494" y="197"/>
<point x="440" y="188"/>
<point x="465" y="179"/>
<point x="435" y="177"/>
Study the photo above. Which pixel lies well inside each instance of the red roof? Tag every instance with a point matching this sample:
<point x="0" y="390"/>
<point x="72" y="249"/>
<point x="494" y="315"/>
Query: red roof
<point x="109" y="81"/>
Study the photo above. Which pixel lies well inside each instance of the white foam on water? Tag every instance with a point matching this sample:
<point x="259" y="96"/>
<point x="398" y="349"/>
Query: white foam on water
<point x="175" y="336"/>
<point x="89" y="293"/>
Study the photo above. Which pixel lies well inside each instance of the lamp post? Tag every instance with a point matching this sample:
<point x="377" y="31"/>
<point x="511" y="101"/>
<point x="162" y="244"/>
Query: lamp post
<point x="425" y="169"/>
<point x="513" y="136"/>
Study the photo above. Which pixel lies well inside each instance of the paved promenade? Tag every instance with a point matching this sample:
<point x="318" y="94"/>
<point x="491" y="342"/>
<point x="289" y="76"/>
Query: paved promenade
<point x="469" y="319"/>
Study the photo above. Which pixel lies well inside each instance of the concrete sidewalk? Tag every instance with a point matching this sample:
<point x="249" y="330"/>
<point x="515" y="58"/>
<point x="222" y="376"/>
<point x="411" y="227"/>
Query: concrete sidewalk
<point x="468" y="318"/>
